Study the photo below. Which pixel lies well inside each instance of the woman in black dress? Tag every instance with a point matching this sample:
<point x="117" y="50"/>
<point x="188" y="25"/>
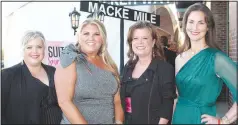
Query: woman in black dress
<point x="28" y="92"/>
<point x="148" y="84"/>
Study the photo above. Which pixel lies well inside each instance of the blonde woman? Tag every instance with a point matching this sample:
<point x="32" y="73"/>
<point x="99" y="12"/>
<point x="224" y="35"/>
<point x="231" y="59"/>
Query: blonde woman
<point x="27" y="88"/>
<point x="87" y="83"/>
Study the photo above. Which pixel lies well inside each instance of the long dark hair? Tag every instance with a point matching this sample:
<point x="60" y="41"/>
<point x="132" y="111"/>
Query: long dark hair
<point x="157" y="50"/>
<point x="211" y="33"/>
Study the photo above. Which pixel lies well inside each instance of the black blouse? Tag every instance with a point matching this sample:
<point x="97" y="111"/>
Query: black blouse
<point x="152" y="94"/>
<point x="26" y="100"/>
<point x="130" y="86"/>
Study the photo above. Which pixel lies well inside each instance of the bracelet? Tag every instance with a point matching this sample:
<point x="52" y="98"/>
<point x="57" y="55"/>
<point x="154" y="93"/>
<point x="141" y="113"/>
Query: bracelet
<point x="225" y="120"/>
<point x="219" y="121"/>
<point x="118" y="122"/>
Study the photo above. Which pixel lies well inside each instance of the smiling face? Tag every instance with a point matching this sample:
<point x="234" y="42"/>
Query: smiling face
<point x="90" y="39"/>
<point x="196" y="26"/>
<point x="142" y="42"/>
<point x="34" y="52"/>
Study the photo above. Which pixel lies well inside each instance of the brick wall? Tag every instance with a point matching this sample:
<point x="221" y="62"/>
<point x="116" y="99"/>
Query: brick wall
<point x="233" y="31"/>
<point x="220" y="10"/>
<point x="232" y="36"/>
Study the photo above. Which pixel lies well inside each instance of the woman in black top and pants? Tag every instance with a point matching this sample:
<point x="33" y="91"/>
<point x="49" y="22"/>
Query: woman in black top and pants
<point x="148" y="84"/>
<point x="28" y="92"/>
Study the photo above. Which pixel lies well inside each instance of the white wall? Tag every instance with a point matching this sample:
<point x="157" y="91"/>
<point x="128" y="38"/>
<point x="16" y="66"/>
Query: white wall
<point x="52" y="19"/>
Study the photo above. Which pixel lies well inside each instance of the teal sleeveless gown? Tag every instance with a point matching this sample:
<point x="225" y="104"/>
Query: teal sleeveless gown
<point x="199" y="83"/>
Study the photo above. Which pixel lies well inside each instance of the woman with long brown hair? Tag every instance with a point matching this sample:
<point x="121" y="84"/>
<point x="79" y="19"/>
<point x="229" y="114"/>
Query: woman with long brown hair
<point x="201" y="70"/>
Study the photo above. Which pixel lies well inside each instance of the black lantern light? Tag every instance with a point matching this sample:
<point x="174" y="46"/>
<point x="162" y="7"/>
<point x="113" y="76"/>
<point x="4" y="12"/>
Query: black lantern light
<point x="74" y="17"/>
<point x="98" y="15"/>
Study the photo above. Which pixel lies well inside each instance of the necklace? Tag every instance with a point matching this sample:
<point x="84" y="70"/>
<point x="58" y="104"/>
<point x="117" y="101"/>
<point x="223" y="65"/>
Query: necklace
<point x="195" y="52"/>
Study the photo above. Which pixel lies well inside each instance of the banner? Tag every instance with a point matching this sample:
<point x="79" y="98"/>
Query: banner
<point x="52" y="52"/>
<point x="119" y="12"/>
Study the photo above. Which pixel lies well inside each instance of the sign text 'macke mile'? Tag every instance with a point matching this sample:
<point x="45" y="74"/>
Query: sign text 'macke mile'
<point x="120" y="12"/>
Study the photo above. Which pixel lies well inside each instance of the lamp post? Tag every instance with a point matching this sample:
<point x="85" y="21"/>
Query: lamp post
<point x="74" y="17"/>
<point x="98" y="15"/>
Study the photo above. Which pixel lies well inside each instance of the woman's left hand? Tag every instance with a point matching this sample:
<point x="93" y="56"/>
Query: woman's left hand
<point x="208" y="119"/>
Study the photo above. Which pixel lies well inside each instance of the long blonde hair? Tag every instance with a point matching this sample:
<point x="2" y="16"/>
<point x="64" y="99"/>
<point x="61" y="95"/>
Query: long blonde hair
<point x="103" y="52"/>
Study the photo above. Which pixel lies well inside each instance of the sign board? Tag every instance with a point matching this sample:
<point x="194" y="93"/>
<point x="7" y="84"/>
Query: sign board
<point x="52" y="52"/>
<point x="136" y="2"/>
<point x="119" y="12"/>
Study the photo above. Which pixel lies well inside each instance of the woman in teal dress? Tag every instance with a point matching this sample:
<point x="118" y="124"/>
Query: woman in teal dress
<point x="201" y="70"/>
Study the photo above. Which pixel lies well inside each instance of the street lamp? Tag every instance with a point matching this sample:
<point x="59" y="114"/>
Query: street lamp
<point x="74" y="17"/>
<point x="98" y="15"/>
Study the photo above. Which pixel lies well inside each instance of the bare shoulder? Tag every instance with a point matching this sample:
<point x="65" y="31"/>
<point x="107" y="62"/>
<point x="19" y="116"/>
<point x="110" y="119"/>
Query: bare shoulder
<point x="66" y="69"/>
<point x="180" y="60"/>
<point x="178" y="57"/>
<point x="181" y="56"/>
<point x="68" y="73"/>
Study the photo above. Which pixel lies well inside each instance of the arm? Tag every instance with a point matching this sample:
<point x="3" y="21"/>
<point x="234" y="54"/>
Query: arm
<point x="226" y="69"/>
<point x="119" y="114"/>
<point x="177" y="68"/>
<point x="5" y="90"/>
<point x="65" y="79"/>
<point x="228" y="73"/>
<point x="231" y="115"/>
<point x="168" y="95"/>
